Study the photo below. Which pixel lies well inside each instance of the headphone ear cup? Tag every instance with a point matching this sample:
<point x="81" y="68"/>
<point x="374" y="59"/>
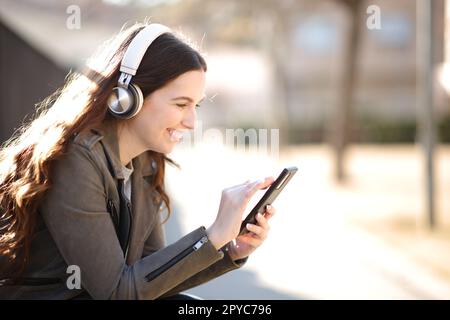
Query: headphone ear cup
<point x="120" y="102"/>
<point x="125" y="103"/>
<point x="138" y="98"/>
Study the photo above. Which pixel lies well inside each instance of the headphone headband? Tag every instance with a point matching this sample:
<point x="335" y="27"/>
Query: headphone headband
<point x="140" y="43"/>
<point x="126" y="98"/>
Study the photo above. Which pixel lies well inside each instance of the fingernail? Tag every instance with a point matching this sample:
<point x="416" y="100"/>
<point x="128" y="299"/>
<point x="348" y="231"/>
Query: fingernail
<point x="248" y="224"/>
<point x="268" y="207"/>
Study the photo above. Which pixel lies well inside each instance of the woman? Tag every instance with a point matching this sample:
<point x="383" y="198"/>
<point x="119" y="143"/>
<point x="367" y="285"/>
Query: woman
<point x="82" y="186"/>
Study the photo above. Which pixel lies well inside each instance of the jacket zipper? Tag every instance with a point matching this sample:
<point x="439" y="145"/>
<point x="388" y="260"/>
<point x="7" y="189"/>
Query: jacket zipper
<point x="112" y="211"/>
<point x="152" y="275"/>
<point x="129" y="232"/>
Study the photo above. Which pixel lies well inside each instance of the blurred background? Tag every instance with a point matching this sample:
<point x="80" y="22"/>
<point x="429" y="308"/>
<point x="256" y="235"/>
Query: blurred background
<point x="353" y="93"/>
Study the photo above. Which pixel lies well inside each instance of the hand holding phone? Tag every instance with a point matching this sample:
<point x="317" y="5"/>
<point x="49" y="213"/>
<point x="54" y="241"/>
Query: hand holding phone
<point x="269" y="197"/>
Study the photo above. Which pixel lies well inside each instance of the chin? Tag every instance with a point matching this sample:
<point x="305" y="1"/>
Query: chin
<point x="169" y="150"/>
<point x="164" y="149"/>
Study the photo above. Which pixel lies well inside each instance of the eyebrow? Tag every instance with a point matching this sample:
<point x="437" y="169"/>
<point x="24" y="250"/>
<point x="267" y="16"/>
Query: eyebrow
<point x="188" y="99"/>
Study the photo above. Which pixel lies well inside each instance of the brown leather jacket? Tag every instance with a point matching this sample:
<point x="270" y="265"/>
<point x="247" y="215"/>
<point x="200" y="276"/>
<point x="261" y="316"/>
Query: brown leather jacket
<point x="75" y="228"/>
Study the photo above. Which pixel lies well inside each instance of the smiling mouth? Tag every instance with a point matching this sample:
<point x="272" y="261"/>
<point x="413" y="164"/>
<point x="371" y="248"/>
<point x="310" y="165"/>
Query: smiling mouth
<point x="175" y="135"/>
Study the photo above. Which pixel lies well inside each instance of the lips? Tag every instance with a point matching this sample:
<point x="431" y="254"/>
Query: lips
<point x="175" y="135"/>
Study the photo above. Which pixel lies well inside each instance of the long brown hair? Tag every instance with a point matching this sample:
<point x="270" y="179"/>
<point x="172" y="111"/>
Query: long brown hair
<point x="26" y="158"/>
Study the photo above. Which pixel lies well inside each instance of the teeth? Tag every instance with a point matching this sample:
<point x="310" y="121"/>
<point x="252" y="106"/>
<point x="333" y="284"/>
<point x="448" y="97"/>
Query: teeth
<point x="175" y="135"/>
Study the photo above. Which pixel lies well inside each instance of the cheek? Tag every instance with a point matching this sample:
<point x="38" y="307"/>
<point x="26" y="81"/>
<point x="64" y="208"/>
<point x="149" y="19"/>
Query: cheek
<point x="151" y="126"/>
<point x="157" y="118"/>
<point x="169" y="118"/>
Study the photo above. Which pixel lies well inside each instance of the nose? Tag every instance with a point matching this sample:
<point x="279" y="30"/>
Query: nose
<point x="189" y="119"/>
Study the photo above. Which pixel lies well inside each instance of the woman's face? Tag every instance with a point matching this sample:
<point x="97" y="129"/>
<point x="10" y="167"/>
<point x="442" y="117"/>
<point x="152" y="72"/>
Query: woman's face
<point x="165" y="115"/>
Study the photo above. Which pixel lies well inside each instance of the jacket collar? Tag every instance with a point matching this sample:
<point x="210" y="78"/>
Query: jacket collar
<point x="109" y="139"/>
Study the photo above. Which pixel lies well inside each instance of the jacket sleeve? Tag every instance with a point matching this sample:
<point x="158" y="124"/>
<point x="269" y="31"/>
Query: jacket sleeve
<point x="74" y="210"/>
<point x="156" y="241"/>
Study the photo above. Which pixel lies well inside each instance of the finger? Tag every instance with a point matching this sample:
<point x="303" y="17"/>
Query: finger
<point x="259" y="185"/>
<point x="267" y="181"/>
<point x="262" y="221"/>
<point x="259" y="231"/>
<point x="270" y="211"/>
<point x="241" y="185"/>
<point x="252" y="241"/>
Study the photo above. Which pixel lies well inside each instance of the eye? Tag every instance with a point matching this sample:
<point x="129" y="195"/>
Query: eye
<point x="185" y="105"/>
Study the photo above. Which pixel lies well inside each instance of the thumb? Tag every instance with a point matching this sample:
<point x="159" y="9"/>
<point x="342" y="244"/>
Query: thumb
<point x="258" y="185"/>
<point x="266" y="182"/>
<point x="261" y="184"/>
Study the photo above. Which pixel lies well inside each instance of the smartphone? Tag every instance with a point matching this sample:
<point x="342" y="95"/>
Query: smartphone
<point x="269" y="197"/>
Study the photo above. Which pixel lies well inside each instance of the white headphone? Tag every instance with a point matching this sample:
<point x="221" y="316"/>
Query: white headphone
<point x="126" y="99"/>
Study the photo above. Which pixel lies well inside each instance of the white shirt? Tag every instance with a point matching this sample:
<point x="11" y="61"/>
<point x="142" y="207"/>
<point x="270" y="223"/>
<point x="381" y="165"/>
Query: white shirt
<point x="127" y="171"/>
